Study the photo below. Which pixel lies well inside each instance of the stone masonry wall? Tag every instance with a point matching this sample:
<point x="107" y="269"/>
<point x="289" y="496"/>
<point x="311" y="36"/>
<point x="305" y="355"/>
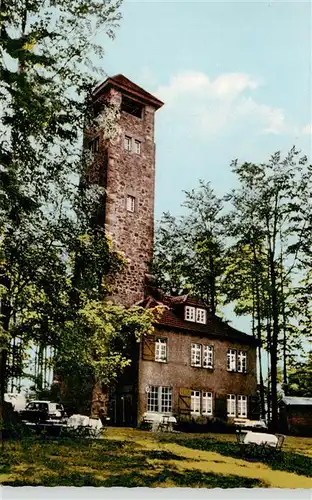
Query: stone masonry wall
<point x="129" y="173"/>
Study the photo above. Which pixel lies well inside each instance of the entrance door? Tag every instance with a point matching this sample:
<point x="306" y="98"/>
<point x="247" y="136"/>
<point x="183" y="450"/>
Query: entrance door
<point x="122" y="410"/>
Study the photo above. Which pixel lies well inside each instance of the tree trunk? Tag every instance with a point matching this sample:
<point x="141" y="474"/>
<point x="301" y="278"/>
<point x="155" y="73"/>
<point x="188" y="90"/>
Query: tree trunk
<point x="4" y="349"/>
<point x="212" y="285"/>
<point x="259" y="329"/>
<point x="274" y="342"/>
<point x="284" y="319"/>
<point x="269" y="367"/>
<point x="285" y="377"/>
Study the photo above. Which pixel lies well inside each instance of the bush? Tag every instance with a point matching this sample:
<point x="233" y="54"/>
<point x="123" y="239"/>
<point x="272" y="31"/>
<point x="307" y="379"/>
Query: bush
<point x="13" y="427"/>
<point x="81" y="432"/>
<point x="204" y="424"/>
<point x="145" y="426"/>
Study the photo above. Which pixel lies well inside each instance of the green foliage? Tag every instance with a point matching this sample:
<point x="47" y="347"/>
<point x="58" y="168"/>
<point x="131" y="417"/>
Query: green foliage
<point x="98" y="341"/>
<point x="300" y="378"/>
<point x="269" y="216"/>
<point x="189" y="249"/>
<point x="51" y="250"/>
<point x="251" y="250"/>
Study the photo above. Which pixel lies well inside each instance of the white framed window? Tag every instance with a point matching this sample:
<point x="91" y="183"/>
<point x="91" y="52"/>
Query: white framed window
<point x="137" y="147"/>
<point x="242" y="361"/>
<point x="195" y="355"/>
<point x="189" y="313"/>
<point x="165" y="399"/>
<point x="207" y="403"/>
<point x="195" y="314"/>
<point x="159" y="399"/>
<point x="127" y="143"/>
<point x="242" y="406"/>
<point x="231" y="405"/>
<point x="195" y="402"/>
<point x="161" y="350"/>
<point x="201" y="316"/>
<point x="207" y="356"/>
<point x="231" y="360"/>
<point x="130" y="203"/>
<point x="152" y="398"/>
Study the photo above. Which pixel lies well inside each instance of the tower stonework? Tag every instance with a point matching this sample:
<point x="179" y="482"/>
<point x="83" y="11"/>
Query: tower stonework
<point x="128" y="175"/>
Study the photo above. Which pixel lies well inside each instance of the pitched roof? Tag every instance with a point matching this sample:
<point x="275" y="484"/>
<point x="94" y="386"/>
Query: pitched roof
<point x="214" y="327"/>
<point x="131" y="88"/>
<point x="184" y="299"/>
<point x="296" y="401"/>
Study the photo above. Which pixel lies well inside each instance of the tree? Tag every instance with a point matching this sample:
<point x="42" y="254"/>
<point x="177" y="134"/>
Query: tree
<point x="300" y="378"/>
<point x="45" y="75"/>
<point x="244" y="284"/>
<point x="266" y="207"/>
<point x="95" y="348"/>
<point x="170" y="255"/>
<point x="188" y="250"/>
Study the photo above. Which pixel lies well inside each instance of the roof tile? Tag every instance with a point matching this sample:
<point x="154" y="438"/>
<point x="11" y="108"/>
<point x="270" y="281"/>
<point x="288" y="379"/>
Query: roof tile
<point x="125" y="84"/>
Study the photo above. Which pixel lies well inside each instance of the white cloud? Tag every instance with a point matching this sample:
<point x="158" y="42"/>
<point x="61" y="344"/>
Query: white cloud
<point x="271" y="119"/>
<point x="213" y="106"/>
<point x="226" y="86"/>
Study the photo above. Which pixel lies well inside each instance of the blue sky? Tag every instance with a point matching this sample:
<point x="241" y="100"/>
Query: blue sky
<point x="235" y="78"/>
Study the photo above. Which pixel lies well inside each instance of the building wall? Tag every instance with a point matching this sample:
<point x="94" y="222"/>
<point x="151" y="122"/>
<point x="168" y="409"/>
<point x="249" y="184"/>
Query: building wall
<point x="179" y="373"/>
<point x="296" y="419"/>
<point x="131" y="174"/>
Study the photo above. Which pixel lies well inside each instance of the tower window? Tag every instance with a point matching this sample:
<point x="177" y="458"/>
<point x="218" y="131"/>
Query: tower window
<point x="130" y="203"/>
<point x="132" y="107"/>
<point x="128" y="142"/>
<point x="137" y="147"/>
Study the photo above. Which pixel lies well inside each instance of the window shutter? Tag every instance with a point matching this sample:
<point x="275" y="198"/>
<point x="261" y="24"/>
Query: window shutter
<point x="253" y="408"/>
<point x="185" y="400"/>
<point x="148" y="347"/>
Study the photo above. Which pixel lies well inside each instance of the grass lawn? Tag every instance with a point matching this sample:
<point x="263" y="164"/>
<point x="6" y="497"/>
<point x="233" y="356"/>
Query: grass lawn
<point x="131" y="458"/>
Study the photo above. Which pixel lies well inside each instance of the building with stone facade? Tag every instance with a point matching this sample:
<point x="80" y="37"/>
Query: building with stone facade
<point x="194" y="364"/>
<point x="126" y="168"/>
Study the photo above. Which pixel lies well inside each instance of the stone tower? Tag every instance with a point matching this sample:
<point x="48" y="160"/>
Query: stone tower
<point x="126" y="167"/>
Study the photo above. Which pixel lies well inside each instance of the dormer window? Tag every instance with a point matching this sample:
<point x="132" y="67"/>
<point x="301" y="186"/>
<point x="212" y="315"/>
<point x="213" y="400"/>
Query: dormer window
<point x="196" y="314"/>
<point x="201" y="316"/>
<point x="190" y="313"/>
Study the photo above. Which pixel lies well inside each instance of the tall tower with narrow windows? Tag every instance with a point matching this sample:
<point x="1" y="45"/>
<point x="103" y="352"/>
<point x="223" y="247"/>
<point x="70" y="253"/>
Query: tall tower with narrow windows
<point x="126" y="167"/>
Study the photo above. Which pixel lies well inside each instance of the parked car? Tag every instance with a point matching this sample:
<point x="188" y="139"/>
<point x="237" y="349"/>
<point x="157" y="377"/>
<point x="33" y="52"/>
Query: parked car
<point x="42" y="411"/>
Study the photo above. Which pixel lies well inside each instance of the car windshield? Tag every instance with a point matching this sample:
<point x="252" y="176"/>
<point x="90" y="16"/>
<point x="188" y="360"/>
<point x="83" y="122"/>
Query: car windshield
<point x="37" y="406"/>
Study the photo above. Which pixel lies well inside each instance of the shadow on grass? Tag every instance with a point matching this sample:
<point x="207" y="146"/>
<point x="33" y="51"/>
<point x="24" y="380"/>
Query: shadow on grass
<point x="63" y="457"/>
<point x="189" y="478"/>
<point x="285" y="461"/>
<point x="123" y="464"/>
